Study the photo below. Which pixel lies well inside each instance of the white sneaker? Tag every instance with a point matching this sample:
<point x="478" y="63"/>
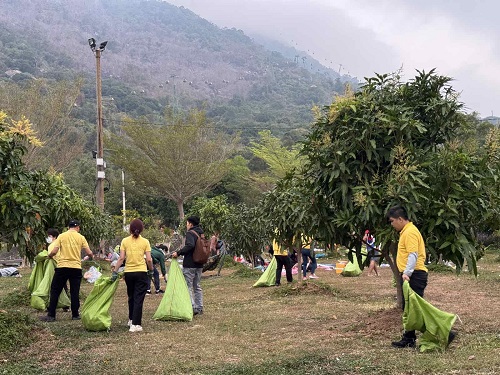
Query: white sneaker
<point x="313" y="277"/>
<point x="129" y="323"/>
<point x="134" y="328"/>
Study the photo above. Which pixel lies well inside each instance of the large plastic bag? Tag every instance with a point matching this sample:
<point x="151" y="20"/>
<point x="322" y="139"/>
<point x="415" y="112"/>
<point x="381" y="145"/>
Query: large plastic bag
<point x="40" y="297"/>
<point x="37" y="273"/>
<point x="352" y="268"/>
<point x="268" y="278"/>
<point x="420" y="315"/>
<point x="176" y="302"/>
<point x="95" y="311"/>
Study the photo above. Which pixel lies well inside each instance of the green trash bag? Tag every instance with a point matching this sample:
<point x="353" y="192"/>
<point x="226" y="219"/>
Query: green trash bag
<point x="352" y="268"/>
<point x="420" y="315"/>
<point x="37" y="273"/>
<point x="95" y="311"/>
<point x="40" y="297"/>
<point x="176" y="302"/>
<point x="268" y="278"/>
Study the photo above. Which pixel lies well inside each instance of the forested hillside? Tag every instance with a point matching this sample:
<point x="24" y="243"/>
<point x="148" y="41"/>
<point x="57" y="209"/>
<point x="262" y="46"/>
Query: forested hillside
<point x="159" y="54"/>
<point x="158" y="57"/>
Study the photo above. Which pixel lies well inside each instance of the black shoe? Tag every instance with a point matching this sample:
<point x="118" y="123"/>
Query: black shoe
<point x="197" y="312"/>
<point x="78" y="317"/>
<point x="277" y="284"/>
<point x="47" y="318"/>
<point x="451" y="337"/>
<point x="148" y="291"/>
<point x="404" y="343"/>
<point x="159" y="291"/>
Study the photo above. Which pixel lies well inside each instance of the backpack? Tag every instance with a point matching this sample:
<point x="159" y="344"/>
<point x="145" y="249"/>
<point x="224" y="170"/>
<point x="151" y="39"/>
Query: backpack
<point x="201" y="251"/>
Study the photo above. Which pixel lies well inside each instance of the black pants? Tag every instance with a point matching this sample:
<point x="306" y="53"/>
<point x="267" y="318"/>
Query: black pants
<point x="137" y="284"/>
<point x="283" y="260"/>
<point x="61" y="276"/>
<point x="418" y="282"/>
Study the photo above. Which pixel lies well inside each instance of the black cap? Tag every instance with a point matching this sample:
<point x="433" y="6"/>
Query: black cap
<point x="73" y="223"/>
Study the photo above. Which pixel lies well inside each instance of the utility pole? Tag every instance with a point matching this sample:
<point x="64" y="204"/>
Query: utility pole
<point x="123" y="203"/>
<point x="101" y="165"/>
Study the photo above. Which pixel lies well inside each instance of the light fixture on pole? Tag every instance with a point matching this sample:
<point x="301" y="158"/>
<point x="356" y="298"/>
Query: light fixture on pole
<point x="101" y="175"/>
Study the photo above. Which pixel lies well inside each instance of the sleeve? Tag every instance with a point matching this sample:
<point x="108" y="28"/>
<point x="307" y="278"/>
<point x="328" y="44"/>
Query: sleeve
<point x="189" y="245"/>
<point x="85" y="244"/>
<point x="410" y="264"/>
<point x="411" y="243"/>
<point x="162" y="263"/>
<point x="56" y="243"/>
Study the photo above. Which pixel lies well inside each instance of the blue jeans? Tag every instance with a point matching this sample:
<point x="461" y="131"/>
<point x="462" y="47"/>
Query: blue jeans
<point x="306" y="255"/>
<point x="193" y="279"/>
<point x="156" y="278"/>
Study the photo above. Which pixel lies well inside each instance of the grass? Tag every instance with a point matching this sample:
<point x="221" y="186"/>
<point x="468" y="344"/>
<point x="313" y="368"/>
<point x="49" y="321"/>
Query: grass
<point x="333" y="325"/>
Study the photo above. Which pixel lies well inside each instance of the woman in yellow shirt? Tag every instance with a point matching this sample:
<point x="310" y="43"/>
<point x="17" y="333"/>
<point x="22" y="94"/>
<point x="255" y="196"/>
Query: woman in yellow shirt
<point x="137" y="272"/>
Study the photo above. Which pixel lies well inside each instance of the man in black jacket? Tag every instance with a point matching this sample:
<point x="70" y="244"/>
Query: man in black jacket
<point x="192" y="270"/>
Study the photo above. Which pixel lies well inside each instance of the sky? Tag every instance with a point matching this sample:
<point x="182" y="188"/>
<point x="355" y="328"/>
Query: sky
<point x="460" y="38"/>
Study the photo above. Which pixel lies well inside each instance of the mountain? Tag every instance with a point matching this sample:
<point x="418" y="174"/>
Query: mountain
<point x="159" y="54"/>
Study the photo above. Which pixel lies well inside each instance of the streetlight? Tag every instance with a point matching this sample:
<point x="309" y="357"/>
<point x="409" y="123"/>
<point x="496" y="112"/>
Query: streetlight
<point x="101" y="175"/>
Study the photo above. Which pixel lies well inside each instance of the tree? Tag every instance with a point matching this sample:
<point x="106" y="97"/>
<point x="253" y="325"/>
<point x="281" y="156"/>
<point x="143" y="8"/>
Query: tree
<point x="180" y="159"/>
<point x="246" y="231"/>
<point x="213" y="213"/>
<point x="280" y="160"/>
<point x="33" y="201"/>
<point x="49" y="107"/>
<point x="238" y="184"/>
<point x="401" y="143"/>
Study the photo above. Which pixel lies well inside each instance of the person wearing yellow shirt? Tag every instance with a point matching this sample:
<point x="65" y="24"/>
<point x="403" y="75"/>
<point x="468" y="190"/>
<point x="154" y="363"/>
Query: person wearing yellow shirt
<point x="67" y="247"/>
<point x="410" y="261"/>
<point x="52" y="235"/>
<point x="308" y="258"/>
<point x="282" y="259"/>
<point x="138" y="271"/>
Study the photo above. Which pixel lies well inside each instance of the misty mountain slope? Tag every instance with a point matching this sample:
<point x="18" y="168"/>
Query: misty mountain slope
<point x="157" y="51"/>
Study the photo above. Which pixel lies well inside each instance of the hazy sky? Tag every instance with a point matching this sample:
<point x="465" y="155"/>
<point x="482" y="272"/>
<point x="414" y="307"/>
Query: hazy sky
<point x="460" y="38"/>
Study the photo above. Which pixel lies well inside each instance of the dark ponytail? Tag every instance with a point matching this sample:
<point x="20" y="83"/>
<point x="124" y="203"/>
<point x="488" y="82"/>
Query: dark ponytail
<point x="136" y="227"/>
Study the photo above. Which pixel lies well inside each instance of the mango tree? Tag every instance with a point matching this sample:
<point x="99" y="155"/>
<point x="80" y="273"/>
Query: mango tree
<point x="33" y="201"/>
<point x="405" y="143"/>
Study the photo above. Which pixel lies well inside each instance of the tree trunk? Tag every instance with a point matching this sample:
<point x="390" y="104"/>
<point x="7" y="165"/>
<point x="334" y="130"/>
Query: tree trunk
<point x="300" y="260"/>
<point x="180" y="208"/>
<point x="389" y="252"/>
